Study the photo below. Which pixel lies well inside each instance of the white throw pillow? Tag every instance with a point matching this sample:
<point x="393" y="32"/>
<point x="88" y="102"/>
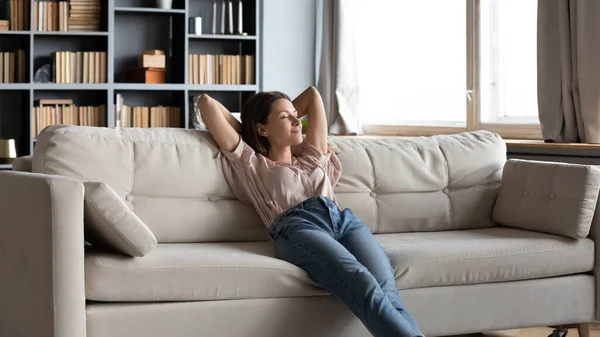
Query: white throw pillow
<point x="110" y="224"/>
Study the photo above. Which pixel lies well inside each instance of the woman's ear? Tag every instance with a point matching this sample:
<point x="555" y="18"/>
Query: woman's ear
<point x="262" y="131"/>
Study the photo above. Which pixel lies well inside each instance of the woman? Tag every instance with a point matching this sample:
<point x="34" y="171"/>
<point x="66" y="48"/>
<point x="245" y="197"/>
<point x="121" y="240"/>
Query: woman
<point x="294" y="196"/>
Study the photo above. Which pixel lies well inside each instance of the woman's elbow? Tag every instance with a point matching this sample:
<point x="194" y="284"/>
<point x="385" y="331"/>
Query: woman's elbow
<point x="312" y="90"/>
<point x="205" y="105"/>
<point x="203" y="100"/>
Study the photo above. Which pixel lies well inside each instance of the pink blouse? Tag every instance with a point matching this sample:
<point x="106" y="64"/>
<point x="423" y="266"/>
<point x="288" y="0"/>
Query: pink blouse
<point x="272" y="188"/>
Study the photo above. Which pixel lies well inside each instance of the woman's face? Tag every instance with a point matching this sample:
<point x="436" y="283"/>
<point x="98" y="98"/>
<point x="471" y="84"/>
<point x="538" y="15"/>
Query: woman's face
<point x="282" y="128"/>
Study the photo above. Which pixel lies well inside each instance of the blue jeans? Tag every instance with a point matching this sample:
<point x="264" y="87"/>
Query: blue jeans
<point x="340" y="254"/>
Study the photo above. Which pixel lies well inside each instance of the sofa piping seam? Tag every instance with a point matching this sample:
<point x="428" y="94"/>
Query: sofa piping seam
<point x="54" y="291"/>
<point x="494" y="257"/>
<point x="374" y="190"/>
<point x="302" y="274"/>
<point x="447" y="169"/>
<point x="132" y="174"/>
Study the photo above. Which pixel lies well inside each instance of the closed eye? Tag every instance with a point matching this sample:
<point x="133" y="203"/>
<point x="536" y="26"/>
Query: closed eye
<point x="287" y="114"/>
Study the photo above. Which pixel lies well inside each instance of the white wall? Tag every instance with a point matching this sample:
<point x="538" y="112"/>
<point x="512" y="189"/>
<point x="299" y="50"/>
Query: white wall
<point x="288" y="45"/>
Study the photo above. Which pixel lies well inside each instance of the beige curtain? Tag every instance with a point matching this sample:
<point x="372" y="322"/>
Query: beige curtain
<point x="569" y="70"/>
<point x="336" y="64"/>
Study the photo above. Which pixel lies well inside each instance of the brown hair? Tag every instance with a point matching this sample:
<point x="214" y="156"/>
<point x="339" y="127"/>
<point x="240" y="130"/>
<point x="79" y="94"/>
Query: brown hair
<point x="256" y="110"/>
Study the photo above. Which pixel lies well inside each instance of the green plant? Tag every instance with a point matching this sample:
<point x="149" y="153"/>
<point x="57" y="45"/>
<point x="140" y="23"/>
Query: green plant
<point x="304" y="121"/>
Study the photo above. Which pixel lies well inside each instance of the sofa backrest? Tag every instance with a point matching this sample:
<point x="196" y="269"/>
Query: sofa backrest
<point x="172" y="179"/>
<point x="443" y="182"/>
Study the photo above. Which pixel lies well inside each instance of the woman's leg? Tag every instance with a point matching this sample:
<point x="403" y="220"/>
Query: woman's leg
<point x="358" y="239"/>
<point x="310" y="244"/>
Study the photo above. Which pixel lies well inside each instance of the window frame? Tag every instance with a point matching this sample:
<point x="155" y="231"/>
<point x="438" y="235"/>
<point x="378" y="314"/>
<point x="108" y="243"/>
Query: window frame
<point x="473" y="97"/>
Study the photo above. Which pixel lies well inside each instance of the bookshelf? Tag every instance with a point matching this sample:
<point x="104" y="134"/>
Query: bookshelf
<point x="114" y="33"/>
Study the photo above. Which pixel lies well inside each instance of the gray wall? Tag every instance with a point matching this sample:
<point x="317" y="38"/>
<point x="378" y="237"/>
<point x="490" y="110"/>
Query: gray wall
<point x="288" y="45"/>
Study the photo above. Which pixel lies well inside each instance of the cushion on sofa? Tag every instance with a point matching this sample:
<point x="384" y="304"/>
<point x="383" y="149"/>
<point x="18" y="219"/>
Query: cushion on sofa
<point x="195" y="271"/>
<point x="230" y="270"/>
<point x="556" y="198"/>
<point x="497" y="254"/>
<point x="109" y="223"/>
<point x="444" y="182"/>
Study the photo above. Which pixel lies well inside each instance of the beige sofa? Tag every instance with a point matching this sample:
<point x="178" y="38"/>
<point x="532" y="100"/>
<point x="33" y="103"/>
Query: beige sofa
<point x="473" y="249"/>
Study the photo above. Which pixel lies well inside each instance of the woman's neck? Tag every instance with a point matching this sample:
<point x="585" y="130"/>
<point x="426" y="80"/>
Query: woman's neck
<point x="281" y="155"/>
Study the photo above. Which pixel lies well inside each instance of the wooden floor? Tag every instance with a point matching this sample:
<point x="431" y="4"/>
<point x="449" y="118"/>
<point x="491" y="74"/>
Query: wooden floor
<point x="536" y="332"/>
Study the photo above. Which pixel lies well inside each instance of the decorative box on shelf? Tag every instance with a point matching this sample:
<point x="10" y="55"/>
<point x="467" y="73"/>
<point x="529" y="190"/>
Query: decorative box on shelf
<point x="152" y="59"/>
<point x="151" y="68"/>
<point x="148" y="75"/>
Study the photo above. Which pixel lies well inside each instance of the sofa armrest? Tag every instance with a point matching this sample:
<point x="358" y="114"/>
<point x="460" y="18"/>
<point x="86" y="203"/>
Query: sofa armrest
<point x="23" y="164"/>
<point x="41" y="256"/>
<point x="595" y="236"/>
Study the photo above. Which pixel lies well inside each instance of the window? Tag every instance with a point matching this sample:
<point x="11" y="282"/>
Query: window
<point x="508" y="71"/>
<point x="433" y="66"/>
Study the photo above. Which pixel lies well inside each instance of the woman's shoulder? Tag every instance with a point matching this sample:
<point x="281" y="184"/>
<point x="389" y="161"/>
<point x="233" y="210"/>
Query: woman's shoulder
<point x="244" y="156"/>
<point x="241" y="151"/>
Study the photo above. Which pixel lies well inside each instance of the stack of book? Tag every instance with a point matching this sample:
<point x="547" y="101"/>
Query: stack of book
<point x="12" y="67"/>
<point x="62" y="111"/>
<point x="73" y="15"/>
<point x="220" y="69"/>
<point x="84" y="15"/>
<point x="79" y="67"/>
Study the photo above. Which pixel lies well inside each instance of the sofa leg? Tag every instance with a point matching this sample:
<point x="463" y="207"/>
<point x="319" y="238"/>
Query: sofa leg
<point x="560" y="331"/>
<point x="583" y="329"/>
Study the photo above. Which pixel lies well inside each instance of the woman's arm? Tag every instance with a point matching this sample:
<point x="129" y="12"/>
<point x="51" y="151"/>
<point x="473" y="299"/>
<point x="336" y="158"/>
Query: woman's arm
<point x="310" y="103"/>
<point x="220" y="123"/>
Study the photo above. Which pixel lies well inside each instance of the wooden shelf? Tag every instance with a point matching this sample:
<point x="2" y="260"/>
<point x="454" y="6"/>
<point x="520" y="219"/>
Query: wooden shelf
<point x="222" y="37"/>
<point x="70" y="33"/>
<point x="15" y="32"/>
<point x="221" y="87"/>
<point x="144" y="86"/>
<point x="15" y="86"/>
<point x="69" y="86"/>
<point x="147" y="10"/>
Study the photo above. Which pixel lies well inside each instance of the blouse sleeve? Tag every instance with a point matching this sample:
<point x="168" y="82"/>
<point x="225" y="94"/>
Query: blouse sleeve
<point x="237" y="166"/>
<point x="328" y="161"/>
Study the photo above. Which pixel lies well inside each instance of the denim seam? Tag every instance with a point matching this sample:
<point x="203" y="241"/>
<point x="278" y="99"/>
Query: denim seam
<point x="324" y="265"/>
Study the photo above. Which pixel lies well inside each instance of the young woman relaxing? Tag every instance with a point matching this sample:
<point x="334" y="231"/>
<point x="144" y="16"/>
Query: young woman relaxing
<point x="293" y="193"/>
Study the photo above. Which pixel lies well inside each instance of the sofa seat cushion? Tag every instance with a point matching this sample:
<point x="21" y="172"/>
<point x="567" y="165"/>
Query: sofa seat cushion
<point x="195" y="271"/>
<point x="486" y="255"/>
<point x="229" y="270"/>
